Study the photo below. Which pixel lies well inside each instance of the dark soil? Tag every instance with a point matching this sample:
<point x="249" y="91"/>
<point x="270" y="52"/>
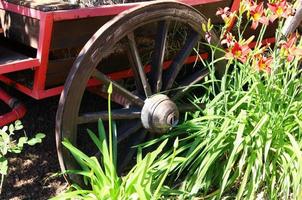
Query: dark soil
<point x="30" y="173"/>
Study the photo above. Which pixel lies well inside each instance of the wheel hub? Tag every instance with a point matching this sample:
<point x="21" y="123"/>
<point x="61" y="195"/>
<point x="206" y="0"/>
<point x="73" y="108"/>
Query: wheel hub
<point x="159" y="114"/>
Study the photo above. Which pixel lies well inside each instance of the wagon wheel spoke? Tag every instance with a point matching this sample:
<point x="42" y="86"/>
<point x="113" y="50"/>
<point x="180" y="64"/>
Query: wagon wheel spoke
<point x="179" y="60"/>
<point x="128" y="129"/>
<point x="137" y="66"/>
<point x="117" y="114"/>
<point x="188" y="82"/>
<point x="141" y="135"/>
<point x="118" y="88"/>
<point x="158" y="55"/>
<point x="115" y="97"/>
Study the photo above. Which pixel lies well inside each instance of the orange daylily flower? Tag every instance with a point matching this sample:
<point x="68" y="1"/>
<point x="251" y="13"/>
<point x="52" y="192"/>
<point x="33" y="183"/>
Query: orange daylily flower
<point x="226" y="15"/>
<point x="289" y="48"/>
<point x="279" y="10"/>
<point x="238" y="51"/>
<point x="223" y="12"/>
<point x="263" y="64"/>
<point x="258" y="15"/>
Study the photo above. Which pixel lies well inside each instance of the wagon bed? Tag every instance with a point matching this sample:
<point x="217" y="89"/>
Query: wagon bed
<point x="44" y="35"/>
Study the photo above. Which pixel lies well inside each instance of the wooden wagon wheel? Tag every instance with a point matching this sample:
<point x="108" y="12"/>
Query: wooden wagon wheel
<point x="145" y="106"/>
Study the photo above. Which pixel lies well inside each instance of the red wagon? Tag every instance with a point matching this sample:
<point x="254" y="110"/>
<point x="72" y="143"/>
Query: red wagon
<point x="143" y="49"/>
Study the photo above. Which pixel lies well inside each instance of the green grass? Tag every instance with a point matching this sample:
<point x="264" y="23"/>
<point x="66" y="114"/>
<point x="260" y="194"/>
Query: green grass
<point x="143" y="181"/>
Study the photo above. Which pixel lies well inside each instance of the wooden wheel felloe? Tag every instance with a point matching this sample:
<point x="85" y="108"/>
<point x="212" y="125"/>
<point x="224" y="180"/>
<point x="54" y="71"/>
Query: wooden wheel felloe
<point x="144" y="96"/>
<point x="292" y="23"/>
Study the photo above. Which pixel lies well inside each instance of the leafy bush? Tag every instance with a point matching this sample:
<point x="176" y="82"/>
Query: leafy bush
<point x="9" y="145"/>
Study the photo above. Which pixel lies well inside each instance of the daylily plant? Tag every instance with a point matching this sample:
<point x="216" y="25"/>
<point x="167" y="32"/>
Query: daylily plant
<point x="246" y="142"/>
<point x="258" y="14"/>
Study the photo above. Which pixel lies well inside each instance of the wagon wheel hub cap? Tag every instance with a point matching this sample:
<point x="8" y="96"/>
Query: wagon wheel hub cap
<point x="159" y="114"/>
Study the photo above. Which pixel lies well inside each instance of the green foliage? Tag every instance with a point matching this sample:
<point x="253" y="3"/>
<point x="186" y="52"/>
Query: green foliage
<point x="143" y="181"/>
<point x="247" y="142"/>
<point x="9" y="145"/>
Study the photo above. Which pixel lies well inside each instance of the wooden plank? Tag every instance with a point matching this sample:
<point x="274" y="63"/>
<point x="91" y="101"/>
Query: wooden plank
<point x="26" y="30"/>
<point x="12" y="61"/>
<point x="75" y="33"/>
<point x="58" y="71"/>
<point x="20" y="28"/>
<point x="8" y="56"/>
